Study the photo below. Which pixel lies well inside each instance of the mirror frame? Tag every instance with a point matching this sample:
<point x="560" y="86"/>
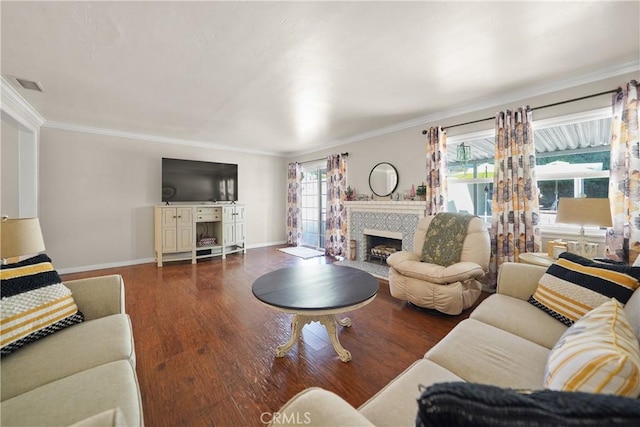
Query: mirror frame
<point x="395" y="185"/>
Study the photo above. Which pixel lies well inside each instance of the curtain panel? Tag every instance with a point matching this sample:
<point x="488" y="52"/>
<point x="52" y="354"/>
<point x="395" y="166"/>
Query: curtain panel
<point x="623" y="238"/>
<point x="294" y="200"/>
<point x="336" y="230"/>
<point x="515" y="225"/>
<point x="436" y="182"/>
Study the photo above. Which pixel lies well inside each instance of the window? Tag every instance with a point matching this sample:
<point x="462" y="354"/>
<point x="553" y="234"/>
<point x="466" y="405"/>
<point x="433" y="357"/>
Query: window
<point x="572" y="159"/>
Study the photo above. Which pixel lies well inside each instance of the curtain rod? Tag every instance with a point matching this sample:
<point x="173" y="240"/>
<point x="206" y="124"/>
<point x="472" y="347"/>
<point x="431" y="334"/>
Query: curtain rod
<point x="324" y="158"/>
<point x="424" y="132"/>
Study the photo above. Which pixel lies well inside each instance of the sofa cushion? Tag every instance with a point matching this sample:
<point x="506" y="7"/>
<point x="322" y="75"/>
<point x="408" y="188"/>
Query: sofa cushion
<point x="501" y="310"/>
<point x="77" y="397"/>
<point x="67" y="352"/>
<point x="396" y="404"/>
<point x="110" y="418"/>
<point x="574" y="285"/>
<point x="481" y="353"/>
<point x="34" y="303"/>
<point x="458" y="404"/>
<point x="598" y="354"/>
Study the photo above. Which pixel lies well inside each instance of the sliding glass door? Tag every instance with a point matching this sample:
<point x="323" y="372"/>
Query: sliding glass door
<point x="314" y="203"/>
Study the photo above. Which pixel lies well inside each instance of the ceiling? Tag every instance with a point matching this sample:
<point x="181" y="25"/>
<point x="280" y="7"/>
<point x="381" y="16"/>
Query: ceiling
<point x="292" y="77"/>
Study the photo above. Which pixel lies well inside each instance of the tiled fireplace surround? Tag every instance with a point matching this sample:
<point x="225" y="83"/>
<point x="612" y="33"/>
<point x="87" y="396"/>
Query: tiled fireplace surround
<point x="396" y="220"/>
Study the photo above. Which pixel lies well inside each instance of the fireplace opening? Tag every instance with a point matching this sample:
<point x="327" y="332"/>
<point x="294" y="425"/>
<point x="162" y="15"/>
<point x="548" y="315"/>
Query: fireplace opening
<point x="380" y="248"/>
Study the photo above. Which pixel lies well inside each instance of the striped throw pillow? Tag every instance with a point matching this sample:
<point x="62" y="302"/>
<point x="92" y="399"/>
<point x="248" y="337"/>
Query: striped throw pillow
<point x="598" y="354"/>
<point x="34" y="303"/>
<point x="573" y="286"/>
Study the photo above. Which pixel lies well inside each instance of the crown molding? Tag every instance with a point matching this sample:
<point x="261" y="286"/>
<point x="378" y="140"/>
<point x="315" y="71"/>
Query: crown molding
<point x="18" y="108"/>
<point x="151" y="138"/>
<point x="13" y="104"/>
<point x="609" y="72"/>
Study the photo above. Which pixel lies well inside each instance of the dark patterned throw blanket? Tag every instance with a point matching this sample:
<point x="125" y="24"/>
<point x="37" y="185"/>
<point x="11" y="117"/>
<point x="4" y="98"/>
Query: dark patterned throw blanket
<point x="445" y="237"/>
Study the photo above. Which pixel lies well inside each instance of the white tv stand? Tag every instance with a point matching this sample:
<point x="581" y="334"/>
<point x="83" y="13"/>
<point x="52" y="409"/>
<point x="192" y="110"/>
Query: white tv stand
<point x="187" y="232"/>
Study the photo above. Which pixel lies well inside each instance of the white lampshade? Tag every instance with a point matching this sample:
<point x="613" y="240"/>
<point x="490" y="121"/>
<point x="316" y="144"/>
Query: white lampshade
<point x="20" y="236"/>
<point x="584" y="211"/>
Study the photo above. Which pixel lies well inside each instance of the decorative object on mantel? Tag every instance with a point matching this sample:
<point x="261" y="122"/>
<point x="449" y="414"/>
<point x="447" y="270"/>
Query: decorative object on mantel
<point x="350" y="193"/>
<point x="412" y="193"/>
<point x="421" y="192"/>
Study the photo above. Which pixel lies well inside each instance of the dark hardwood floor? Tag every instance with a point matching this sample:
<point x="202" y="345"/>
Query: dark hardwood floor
<point x="205" y="345"/>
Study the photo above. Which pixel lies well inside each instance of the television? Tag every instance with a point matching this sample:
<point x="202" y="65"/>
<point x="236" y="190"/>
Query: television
<point x="198" y="181"/>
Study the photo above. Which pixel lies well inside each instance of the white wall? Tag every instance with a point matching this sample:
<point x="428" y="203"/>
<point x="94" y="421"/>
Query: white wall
<point x="9" y="153"/>
<point x="97" y="194"/>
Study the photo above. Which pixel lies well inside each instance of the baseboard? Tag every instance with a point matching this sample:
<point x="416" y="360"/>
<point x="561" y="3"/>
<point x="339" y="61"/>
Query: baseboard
<point x="127" y="263"/>
<point x="82" y="268"/>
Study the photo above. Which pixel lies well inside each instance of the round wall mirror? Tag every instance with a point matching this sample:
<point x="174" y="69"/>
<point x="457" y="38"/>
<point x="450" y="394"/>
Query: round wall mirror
<point x="383" y="179"/>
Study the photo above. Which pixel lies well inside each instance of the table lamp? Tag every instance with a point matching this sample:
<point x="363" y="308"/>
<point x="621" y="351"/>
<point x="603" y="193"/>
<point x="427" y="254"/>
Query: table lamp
<point x="584" y="211"/>
<point x="20" y="236"/>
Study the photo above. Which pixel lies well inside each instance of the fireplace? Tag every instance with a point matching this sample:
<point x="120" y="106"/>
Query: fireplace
<point x="379" y="248"/>
<point x="383" y="219"/>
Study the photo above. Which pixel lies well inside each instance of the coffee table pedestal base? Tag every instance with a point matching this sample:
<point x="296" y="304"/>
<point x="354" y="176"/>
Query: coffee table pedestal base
<point x="330" y="322"/>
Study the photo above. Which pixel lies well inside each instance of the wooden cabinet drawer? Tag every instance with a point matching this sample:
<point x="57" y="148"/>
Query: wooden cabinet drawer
<point x="208" y="214"/>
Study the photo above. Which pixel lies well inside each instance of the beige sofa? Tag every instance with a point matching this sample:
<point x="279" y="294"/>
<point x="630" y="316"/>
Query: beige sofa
<point x="505" y="342"/>
<point x="82" y="375"/>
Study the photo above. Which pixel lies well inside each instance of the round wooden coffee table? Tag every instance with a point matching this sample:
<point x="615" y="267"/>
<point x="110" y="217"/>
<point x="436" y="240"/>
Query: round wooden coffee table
<point x="316" y="293"/>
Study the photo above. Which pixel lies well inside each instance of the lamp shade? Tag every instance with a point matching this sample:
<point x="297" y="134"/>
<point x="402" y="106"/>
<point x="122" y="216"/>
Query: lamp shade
<point x="584" y="211"/>
<point x="20" y="236"/>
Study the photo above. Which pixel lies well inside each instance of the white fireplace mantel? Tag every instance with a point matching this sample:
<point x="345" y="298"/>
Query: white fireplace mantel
<point x="410" y="207"/>
<point x="394" y="218"/>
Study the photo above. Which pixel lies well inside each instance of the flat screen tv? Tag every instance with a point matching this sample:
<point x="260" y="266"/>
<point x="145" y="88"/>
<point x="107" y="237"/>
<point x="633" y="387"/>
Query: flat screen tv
<point x="198" y="181"/>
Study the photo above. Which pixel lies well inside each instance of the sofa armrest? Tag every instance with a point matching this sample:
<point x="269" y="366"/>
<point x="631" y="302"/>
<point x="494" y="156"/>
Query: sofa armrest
<point x="98" y="296"/>
<point x="317" y="407"/>
<point x="519" y="280"/>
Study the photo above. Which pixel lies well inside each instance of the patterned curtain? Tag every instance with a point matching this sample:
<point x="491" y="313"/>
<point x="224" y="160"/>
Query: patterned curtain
<point x="336" y="233"/>
<point x="624" y="182"/>
<point x="294" y="198"/>
<point x="436" y="171"/>
<point x="515" y="226"/>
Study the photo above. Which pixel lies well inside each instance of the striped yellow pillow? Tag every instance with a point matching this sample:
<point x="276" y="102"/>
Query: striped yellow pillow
<point x="574" y="285"/>
<point x="598" y="354"/>
<point x="34" y="303"/>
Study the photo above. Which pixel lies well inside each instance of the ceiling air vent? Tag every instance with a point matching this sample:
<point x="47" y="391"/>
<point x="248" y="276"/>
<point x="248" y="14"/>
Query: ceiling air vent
<point x="30" y="85"/>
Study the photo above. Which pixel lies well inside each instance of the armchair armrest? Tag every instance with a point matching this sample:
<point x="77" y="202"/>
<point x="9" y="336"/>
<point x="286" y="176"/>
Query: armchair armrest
<point x="401" y="256"/>
<point x="98" y="296"/>
<point x="317" y="407"/>
<point x="519" y="280"/>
